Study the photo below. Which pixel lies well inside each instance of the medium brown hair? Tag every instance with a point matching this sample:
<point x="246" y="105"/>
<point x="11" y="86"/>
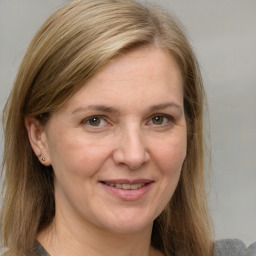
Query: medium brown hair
<point x="75" y="43"/>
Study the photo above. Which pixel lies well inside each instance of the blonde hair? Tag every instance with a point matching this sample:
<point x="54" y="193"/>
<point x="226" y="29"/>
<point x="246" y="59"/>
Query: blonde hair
<point x="72" y="46"/>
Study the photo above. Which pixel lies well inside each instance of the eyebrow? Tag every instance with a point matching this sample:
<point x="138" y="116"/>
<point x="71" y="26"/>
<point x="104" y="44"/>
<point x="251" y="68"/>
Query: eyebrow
<point x="101" y="108"/>
<point x="107" y="109"/>
<point x="165" y="105"/>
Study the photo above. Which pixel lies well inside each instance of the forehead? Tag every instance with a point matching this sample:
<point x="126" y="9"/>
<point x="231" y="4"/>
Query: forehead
<point x="149" y="61"/>
<point x="144" y="76"/>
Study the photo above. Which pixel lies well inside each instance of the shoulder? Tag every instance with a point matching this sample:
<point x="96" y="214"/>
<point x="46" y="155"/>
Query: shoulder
<point x="233" y="247"/>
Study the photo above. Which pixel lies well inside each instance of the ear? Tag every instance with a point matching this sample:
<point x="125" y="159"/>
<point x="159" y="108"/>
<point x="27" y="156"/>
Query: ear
<point x="38" y="140"/>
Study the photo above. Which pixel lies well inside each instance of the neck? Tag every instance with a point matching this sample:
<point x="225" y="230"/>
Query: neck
<point x="67" y="238"/>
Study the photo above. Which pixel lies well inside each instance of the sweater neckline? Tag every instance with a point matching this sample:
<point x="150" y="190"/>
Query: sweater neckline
<point x="39" y="250"/>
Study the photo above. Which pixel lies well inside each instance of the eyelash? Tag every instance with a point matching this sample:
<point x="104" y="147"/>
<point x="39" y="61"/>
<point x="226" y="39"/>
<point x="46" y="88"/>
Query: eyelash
<point x="165" y="117"/>
<point x="87" y="120"/>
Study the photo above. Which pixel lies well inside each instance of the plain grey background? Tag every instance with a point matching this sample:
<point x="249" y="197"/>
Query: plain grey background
<point x="223" y="34"/>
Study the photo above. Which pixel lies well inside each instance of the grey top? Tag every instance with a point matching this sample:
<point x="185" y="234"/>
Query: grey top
<point x="225" y="247"/>
<point x="39" y="250"/>
<point x="234" y="247"/>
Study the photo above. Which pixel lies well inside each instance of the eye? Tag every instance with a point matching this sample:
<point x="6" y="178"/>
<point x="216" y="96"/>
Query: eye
<point x="160" y="119"/>
<point x="95" y="121"/>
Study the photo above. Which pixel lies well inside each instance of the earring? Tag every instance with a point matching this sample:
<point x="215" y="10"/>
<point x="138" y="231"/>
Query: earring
<point x="43" y="158"/>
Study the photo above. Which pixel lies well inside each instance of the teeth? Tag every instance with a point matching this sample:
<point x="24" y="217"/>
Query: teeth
<point x="126" y="186"/>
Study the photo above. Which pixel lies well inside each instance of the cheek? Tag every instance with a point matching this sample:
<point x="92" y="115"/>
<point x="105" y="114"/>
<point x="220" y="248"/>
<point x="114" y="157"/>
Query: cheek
<point x="77" y="156"/>
<point x="169" y="158"/>
<point x="171" y="154"/>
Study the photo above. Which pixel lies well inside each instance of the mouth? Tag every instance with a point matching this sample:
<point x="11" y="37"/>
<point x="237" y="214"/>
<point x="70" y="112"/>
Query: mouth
<point x="125" y="186"/>
<point x="128" y="190"/>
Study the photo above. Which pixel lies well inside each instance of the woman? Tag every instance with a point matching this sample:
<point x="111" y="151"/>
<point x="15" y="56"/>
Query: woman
<point x="103" y="138"/>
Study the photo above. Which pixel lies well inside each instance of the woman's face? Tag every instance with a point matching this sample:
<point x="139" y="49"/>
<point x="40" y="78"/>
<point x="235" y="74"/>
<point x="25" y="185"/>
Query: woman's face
<point x="118" y="145"/>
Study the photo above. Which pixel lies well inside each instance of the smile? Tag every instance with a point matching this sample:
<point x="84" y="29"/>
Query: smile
<point x="126" y="186"/>
<point x="128" y="190"/>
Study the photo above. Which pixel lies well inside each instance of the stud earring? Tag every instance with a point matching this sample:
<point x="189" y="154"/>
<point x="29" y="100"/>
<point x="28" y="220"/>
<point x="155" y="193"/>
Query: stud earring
<point x="43" y="158"/>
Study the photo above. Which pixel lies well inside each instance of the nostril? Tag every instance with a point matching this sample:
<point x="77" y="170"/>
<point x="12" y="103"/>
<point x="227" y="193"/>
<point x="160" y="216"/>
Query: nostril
<point x="132" y="161"/>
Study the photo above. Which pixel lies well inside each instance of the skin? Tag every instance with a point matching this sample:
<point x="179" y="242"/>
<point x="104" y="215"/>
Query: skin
<point x="139" y="133"/>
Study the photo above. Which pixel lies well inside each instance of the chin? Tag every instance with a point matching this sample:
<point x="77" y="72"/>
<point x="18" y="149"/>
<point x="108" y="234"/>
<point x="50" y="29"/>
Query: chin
<point x="125" y="224"/>
<point x="130" y="228"/>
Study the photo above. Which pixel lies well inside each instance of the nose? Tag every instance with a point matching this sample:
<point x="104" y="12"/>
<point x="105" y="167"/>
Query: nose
<point x="130" y="149"/>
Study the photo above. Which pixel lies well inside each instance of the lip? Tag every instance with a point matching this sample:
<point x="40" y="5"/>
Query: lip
<point x="129" y="194"/>
<point x="127" y="181"/>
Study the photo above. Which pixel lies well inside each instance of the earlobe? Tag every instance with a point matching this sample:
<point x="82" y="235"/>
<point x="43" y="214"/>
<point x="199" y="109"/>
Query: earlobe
<point x="38" y="140"/>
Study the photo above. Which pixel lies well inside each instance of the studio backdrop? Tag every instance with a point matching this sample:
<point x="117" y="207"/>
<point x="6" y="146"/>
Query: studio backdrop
<point x="223" y="35"/>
